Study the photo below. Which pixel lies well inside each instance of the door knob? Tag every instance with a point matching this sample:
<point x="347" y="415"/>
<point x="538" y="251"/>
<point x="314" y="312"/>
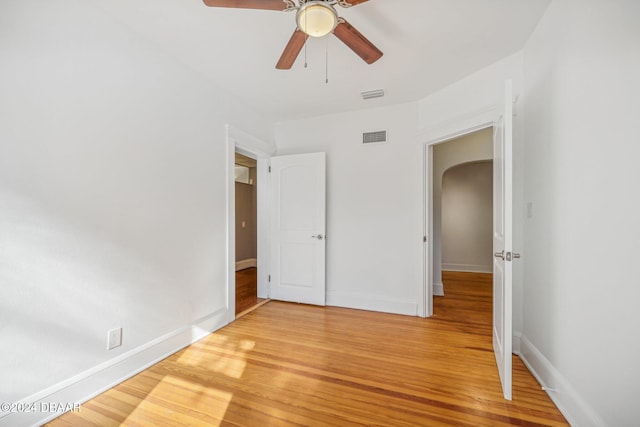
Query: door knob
<point x="317" y="236"/>
<point x="512" y="255"/>
<point x="499" y="254"/>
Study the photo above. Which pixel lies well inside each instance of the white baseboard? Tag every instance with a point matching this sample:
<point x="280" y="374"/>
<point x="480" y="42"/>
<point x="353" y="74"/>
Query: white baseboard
<point x="246" y="263"/>
<point x="438" y="289"/>
<point x="569" y="402"/>
<point x="372" y="303"/>
<point x="84" y="386"/>
<point x="469" y="268"/>
<point x="515" y="343"/>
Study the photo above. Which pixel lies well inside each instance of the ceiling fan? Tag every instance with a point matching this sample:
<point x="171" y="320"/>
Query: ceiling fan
<point x="314" y="18"/>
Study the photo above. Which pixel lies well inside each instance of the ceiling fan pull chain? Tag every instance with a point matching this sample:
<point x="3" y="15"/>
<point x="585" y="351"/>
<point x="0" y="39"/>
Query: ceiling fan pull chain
<point x="326" y="62"/>
<point x="305" y="54"/>
<point x="306" y="40"/>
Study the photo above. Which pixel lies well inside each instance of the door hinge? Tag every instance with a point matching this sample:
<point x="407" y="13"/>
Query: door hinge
<point x="424" y="239"/>
<point x="269" y="278"/>
<point x="269" y="168"/>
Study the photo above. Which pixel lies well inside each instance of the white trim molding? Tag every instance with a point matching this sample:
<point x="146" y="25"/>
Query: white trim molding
<point x="574" y="408"/>
<point x="92" y="382"/>
<point x="458" y="126"/>
<point x="438" y="289"/>
<point x="247" y="143"/>
<point x="470" y="268"/>
<point x="515" y="343"/>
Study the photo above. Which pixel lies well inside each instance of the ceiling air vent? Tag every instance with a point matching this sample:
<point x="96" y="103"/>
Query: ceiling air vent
<point x="372" y="137"/>
<point x="370" y="94"/>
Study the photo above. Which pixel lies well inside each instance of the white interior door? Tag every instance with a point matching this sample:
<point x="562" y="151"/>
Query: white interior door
<point x="502" y="239"/>
<point x="298" y="228"/>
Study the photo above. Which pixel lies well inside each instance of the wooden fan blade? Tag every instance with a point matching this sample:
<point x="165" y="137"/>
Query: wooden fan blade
<point x="292" y="50"/>
<point x="248" y="4"/>
<point x="355" y="2"/>
<point x="357" y="42"/>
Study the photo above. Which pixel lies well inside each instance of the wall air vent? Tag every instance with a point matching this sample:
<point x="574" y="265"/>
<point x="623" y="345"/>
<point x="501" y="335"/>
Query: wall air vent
<point x="370" y="94"/>
<point x="373" y="137"/>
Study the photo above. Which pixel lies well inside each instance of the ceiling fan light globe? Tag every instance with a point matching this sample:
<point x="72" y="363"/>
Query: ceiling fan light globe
<point x="317" y="19"/>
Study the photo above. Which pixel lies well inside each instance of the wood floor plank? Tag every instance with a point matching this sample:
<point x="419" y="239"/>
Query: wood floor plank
<point x="296" y="365"/>
<point x="247" y="290"/>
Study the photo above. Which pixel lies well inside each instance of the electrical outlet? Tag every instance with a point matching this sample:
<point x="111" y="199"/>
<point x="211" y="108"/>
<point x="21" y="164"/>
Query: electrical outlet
<point x="114" y="338"/>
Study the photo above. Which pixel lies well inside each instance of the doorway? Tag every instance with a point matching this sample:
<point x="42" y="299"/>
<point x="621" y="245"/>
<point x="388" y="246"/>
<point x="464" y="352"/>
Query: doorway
<point x="462" y="201"/>
<point x="452" y="147"/>
<point x="259" y="153"/>
<point x="246" y="234"/>
<point x="269" y="278"/>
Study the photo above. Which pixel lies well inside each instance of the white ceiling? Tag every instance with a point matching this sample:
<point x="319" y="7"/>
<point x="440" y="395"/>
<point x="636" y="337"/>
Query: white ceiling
<point x="427" y="45"/>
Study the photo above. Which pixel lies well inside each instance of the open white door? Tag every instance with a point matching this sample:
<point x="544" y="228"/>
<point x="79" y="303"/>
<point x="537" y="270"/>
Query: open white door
<point x="298" y="228"/>
<point x="503" y="239"/>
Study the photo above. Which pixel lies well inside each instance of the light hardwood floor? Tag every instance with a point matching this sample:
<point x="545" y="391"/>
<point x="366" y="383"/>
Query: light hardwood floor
<point x="297" y="365"/>
<point x="247" y="290"/>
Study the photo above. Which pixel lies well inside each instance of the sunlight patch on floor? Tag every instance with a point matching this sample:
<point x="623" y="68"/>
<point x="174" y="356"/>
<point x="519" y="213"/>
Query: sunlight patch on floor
<point x="232" y="361"/>
<point x="194" y="404"/>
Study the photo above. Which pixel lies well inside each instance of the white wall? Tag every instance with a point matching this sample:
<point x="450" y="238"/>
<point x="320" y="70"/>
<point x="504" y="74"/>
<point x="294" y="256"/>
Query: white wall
<point x="467" y="217"/>
<point x="582" y="103"/>
<point x="374" y="205"/>
<point x="112" y="193"/>
<point x="468" y="148"/>
<point x="374" y="218"/>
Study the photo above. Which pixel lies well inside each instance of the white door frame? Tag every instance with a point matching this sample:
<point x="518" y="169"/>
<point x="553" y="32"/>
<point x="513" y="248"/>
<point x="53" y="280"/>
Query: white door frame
<point x="248" y="145"/>
<point x="453" y="129"/>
